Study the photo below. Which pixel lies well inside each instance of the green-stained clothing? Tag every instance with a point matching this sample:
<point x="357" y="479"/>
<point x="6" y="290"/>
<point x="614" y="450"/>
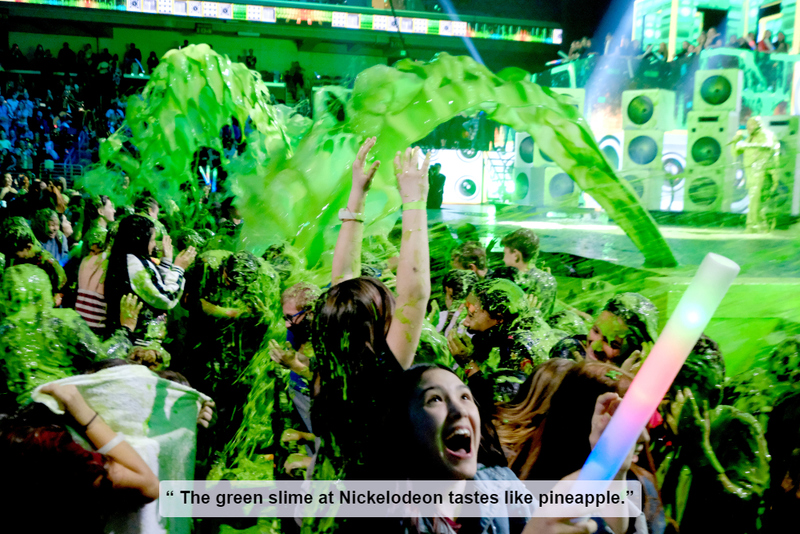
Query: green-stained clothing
<point x="231" y="315"/>
<point x="45" y="261"/>
<point x="95" y="238"/>
<point x="543" y="286"/>
<point x="41" y="344"/>
<point x="719" y="461"/>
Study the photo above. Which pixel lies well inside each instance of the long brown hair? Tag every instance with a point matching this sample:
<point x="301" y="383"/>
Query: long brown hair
<point x="349" y="328"/>
<point x="519" y="425"/>
<point x="564" y="438"/>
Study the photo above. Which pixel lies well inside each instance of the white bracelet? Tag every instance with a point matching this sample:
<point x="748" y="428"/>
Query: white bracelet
<point x="119" y="438"/>
<point x="347" y="215"/>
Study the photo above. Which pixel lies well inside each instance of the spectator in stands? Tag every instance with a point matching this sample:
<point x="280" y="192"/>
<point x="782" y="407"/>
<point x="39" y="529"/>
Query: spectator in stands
<point x="16" y="58"/>
<point x="46" y="227"/>
<point x="780" y="44"/>
<point x="701" y="42"/>
<point x="152" y="62"/>
<point x="5" y="115"/>
<point x="765" y="44"/>
<point x="713" y="39"/>
<point x="608" y="47"/>
<point x="250" y="60"/>
<point x="8" y="187"/>
<point x="574" y="51"/>
<point x="24" y="183"/>
<point x="7" y="160"/>
<point x="88" y="54"/>
<point x="38" y="56"/>
<point x="749" y="41"/>
<point x="586" y="47"/>
<point x="133" y="56"/>
<point x="5" y="144"/>
<point x="66" y="57"/>
<point x="684" y="51"/>
<point x="49" y="148"/>
<point x="25" y="154"/>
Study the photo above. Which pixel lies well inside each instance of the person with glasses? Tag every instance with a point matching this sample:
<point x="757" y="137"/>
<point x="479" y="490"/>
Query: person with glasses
<point x="297" y="304"/>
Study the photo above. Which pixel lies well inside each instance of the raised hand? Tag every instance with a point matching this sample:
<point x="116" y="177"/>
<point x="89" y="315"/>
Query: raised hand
<point x="185" y="258"/>
<point x="362" y="178"/>
<point x="129" y="308"/>
<point x="166" y="247"/>
<point x="412" y="181"/>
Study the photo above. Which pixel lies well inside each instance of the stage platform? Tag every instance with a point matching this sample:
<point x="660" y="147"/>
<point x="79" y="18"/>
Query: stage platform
<point x="593" y="259"/>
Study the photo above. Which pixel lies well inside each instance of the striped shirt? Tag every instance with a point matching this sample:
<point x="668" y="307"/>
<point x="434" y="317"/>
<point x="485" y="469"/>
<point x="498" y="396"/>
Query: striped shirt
<point x="158" y="286"/>
<point x="92" y="307"/>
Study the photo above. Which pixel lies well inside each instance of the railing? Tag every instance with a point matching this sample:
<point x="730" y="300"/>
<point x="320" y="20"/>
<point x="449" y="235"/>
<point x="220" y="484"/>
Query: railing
<point x="67" y="170"/>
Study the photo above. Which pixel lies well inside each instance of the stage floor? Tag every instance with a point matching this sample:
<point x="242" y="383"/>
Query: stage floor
<point x="776" y="254"/>
<point x="761" y="309"/>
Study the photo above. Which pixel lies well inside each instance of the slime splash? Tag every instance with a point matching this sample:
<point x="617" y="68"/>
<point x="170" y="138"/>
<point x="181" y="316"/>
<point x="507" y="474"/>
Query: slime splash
<point x="293" y="194"/>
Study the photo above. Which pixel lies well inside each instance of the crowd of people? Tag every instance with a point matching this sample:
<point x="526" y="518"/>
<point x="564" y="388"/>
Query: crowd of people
<point x="420" y="348"/>
<point x="707" y="40"/>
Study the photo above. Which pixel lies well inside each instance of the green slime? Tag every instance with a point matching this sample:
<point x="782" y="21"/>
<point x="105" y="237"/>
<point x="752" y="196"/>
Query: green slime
<point x="41" y="343"/>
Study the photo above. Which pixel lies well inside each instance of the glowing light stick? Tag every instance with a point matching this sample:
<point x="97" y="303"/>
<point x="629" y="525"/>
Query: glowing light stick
<point x="694" y="311"/>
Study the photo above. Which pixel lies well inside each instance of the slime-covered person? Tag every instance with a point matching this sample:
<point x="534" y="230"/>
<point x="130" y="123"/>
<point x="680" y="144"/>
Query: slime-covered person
<point x="232" y="303"/>
<point x="494" y="310"/>
<point x="627" y="322"/>
<point x="42" y="343"/>
<point x="20" y="246"/>
<point x="297" y="304"/>
<point x="712" y="456"/>
<point x="760" y="150"/>
<point x="520" y="250"/>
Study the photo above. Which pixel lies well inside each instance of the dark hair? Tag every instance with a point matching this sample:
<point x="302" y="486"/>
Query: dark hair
<point x="97" y="202"/>
<point x="460" y="281"/>
<point x="15" y="236"/>
<point x="525" y="241"/>
<point x="398" y="431"/>
<point x="565" y="437"/>
<point x="506" y="273"/>
<point x="640" y="316"/>
<point x="133" y="237"/>
<point x="703" y="373"/>
<point x="501" y="298"/>
<point x="144" y="203"/>
<point x="348" y="333"/>
<point x="40" y="221"/>
<point x="470" y="253"/>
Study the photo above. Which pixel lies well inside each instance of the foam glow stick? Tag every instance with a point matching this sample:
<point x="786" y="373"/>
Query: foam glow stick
<point x="694" y="311"/>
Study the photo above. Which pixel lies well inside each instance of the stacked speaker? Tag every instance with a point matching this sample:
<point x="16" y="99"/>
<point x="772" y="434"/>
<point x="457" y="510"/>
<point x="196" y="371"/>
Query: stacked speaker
<point x="784" y="197"/>
<point x="646" y="115"/>
<point x="714" y="178"/>
<point x="538" y="180"/>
